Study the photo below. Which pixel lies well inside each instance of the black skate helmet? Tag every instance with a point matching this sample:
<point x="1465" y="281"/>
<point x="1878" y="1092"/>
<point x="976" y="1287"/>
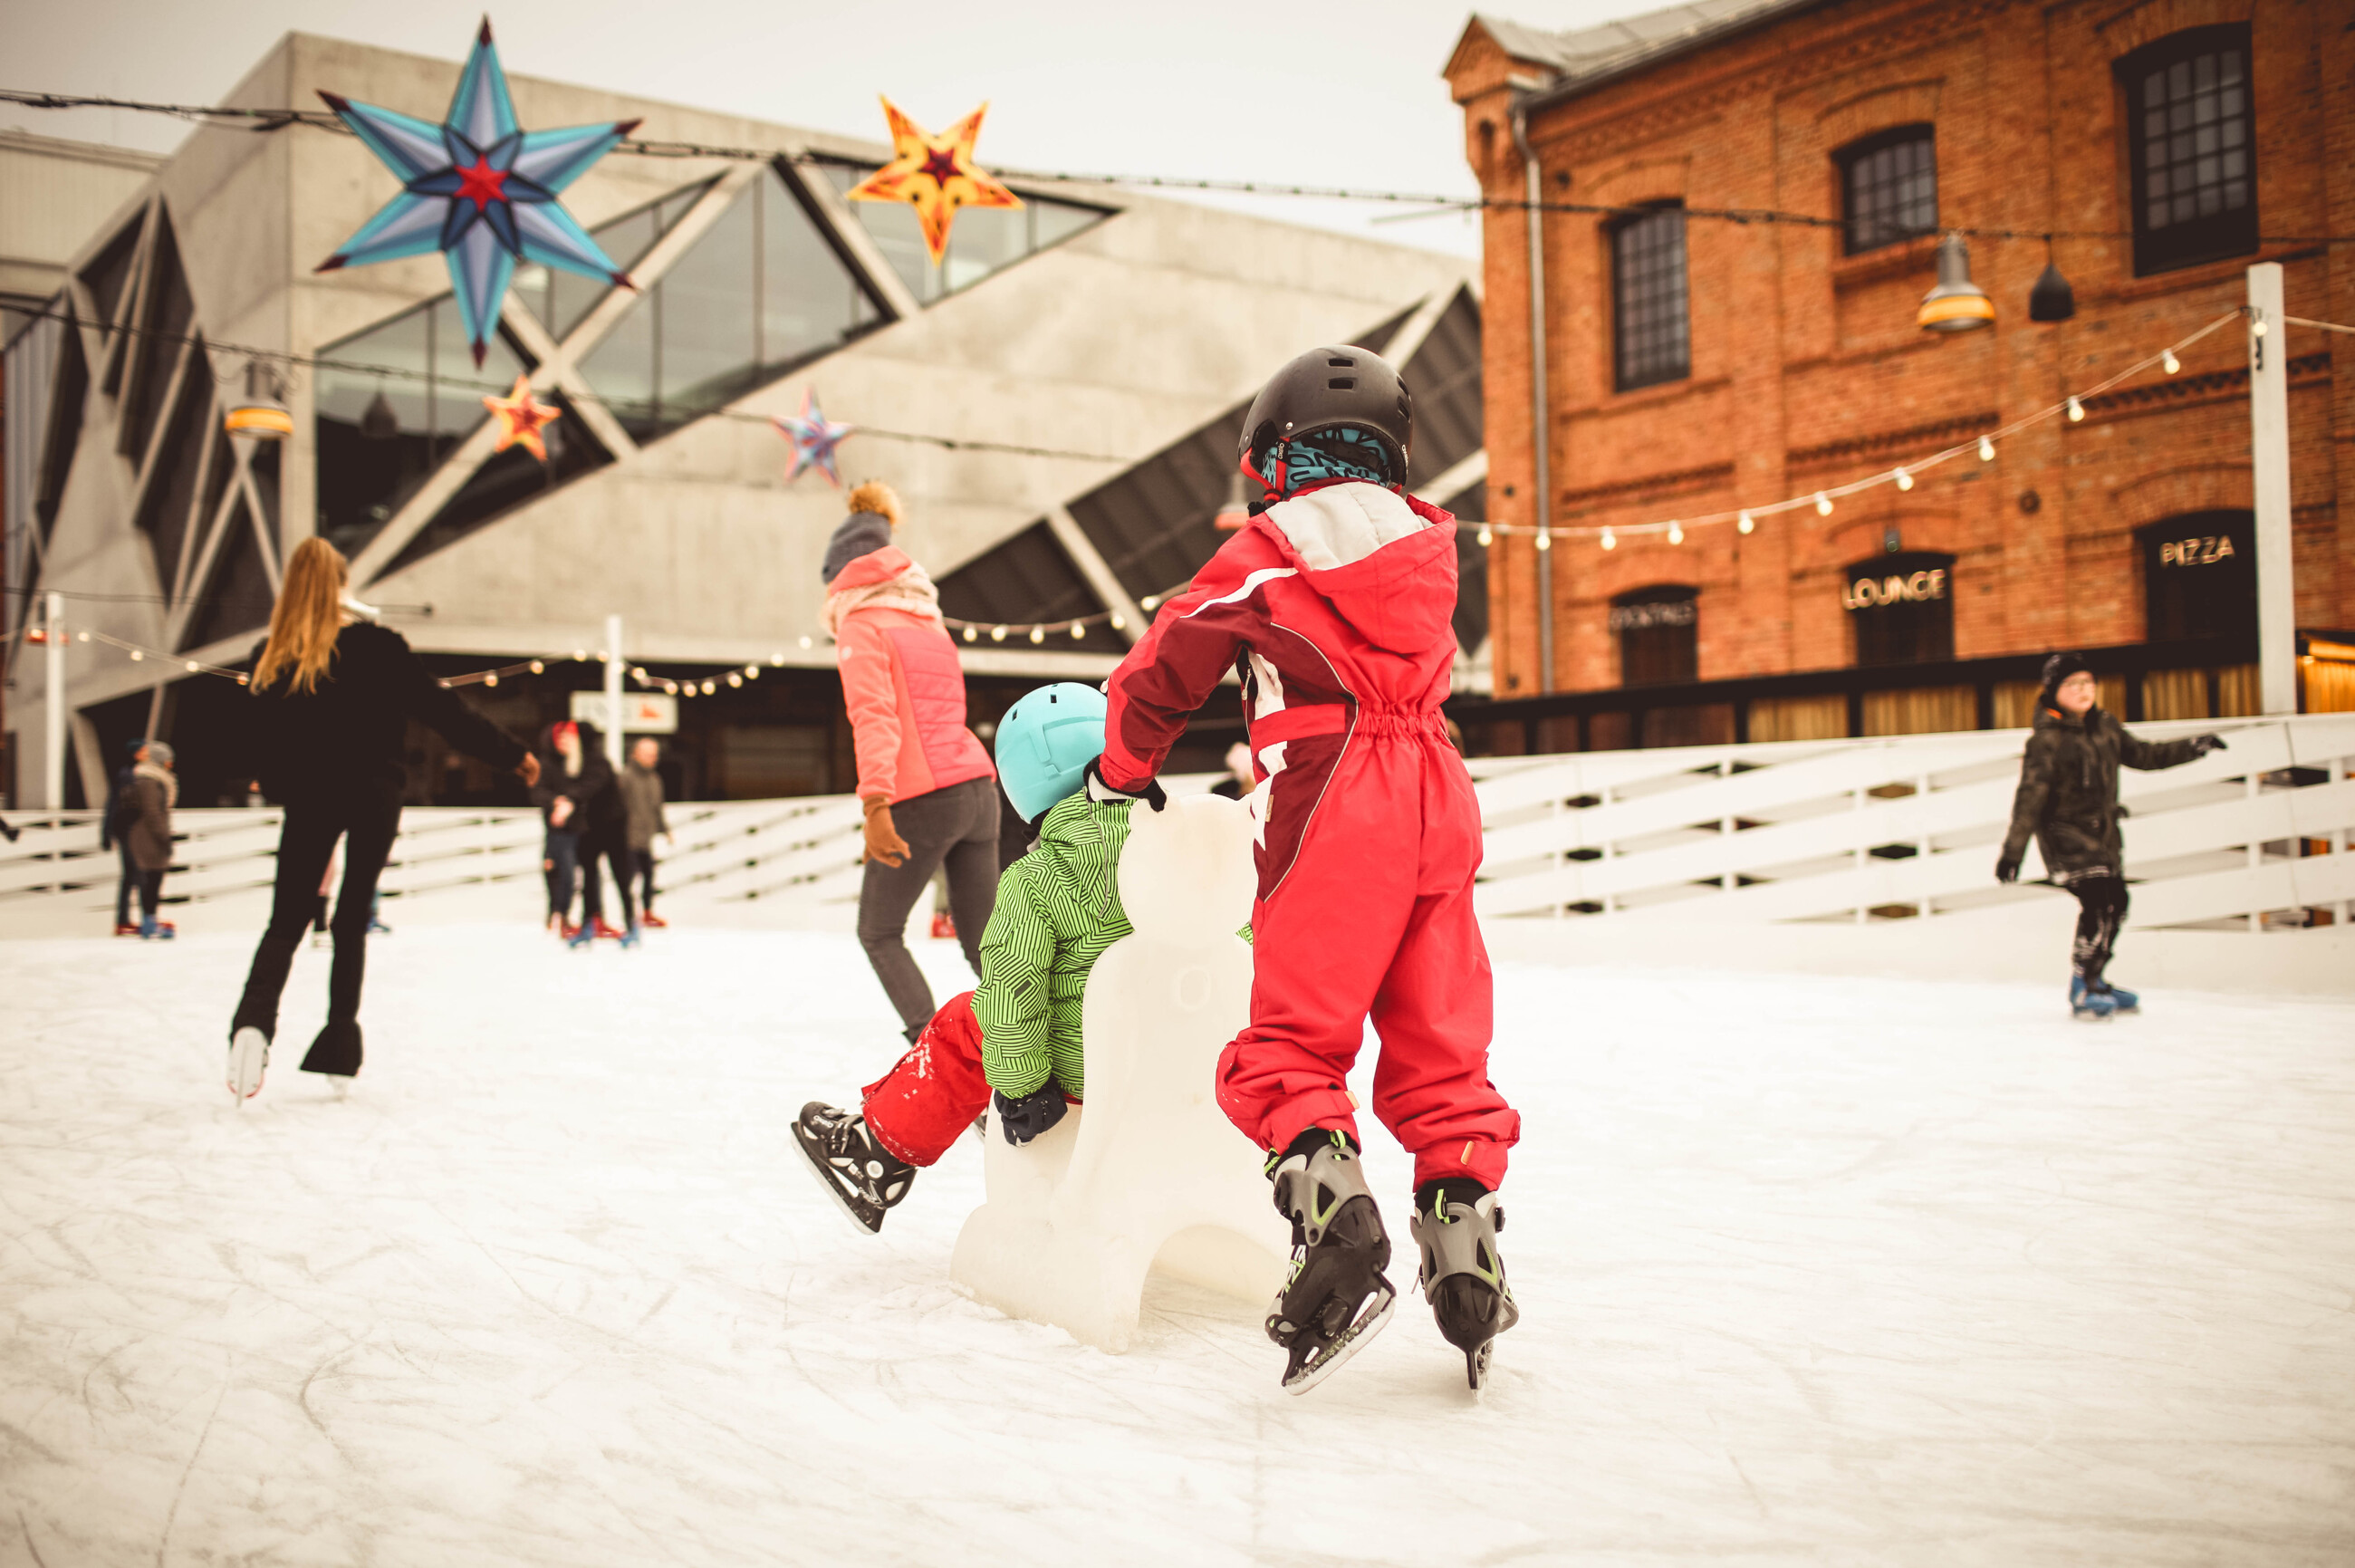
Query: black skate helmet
<point x="1326" y="389"/>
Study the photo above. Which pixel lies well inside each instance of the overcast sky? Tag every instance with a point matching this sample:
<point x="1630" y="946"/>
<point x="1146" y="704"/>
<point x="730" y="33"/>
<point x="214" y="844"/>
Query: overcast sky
<point x="1280" y="89"/>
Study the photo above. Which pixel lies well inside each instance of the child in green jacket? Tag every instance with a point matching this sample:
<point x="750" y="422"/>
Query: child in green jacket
<point x="1016" y="1040"/>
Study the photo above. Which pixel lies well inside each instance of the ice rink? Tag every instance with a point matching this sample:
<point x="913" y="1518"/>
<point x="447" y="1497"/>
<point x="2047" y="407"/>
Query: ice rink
<point x="1812" y="1271"/>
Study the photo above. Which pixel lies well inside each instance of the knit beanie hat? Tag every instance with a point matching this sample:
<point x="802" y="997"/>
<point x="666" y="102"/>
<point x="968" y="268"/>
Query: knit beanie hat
<point x="2060" y="667"/>
<point x="160" y="754"/>
<point x="862" y="533"/>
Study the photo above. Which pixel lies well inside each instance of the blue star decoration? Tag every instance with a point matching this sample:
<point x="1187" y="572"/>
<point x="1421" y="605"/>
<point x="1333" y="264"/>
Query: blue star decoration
<point x="814" y="437"/>
<point x="479" y="189"/>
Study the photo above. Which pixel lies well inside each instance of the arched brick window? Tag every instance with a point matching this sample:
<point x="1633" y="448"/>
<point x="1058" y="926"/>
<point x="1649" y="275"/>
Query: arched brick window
<point x="2191" y="147"/>
<point x="1651" y="330"/>
<point x="1889" y="182"/>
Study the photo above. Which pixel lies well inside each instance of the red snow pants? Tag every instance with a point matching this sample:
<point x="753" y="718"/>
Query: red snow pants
<point x="933" y="1092"/>
<point x="1374" y="920"/>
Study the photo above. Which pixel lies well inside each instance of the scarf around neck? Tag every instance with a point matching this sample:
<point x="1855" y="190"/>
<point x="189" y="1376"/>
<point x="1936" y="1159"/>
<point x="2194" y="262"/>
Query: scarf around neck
<point x="910" y="590"/>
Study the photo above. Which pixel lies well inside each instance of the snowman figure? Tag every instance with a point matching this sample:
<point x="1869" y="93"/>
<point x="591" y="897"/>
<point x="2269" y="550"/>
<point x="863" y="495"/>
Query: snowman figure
<point x="1149" y="1174"/>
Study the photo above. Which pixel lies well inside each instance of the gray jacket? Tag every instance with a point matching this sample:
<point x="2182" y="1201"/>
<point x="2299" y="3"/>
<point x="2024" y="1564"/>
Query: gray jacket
<point x="642" y="804"/>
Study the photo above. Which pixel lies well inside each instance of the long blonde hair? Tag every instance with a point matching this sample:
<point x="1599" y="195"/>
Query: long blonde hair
<point x="309" y="614"/>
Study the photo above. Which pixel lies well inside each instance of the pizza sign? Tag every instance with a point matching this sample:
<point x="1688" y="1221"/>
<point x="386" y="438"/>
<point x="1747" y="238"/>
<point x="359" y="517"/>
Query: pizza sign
<point x="2204" y="551"/>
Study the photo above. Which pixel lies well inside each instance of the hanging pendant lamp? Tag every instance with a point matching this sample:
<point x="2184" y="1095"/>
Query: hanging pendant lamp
<point x="2051" y="299"/>
<point x="378" y="421"/>
<point x="1957" y="305"/>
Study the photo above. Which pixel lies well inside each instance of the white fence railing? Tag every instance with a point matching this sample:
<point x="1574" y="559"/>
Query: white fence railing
<point x="1615" y="854"/>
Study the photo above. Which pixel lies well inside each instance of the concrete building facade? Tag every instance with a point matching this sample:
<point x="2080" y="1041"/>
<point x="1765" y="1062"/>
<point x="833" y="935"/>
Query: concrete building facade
<point x="1051" y="404"/>
<point x="1696" y="366"/>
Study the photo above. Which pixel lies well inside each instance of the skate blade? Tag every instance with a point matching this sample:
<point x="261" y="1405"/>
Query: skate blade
<point x="864" y="1215"/>
<point x="249" y="1054"/>
<point x="1352" y="1339"/>
<point x="1475" y="1367"/>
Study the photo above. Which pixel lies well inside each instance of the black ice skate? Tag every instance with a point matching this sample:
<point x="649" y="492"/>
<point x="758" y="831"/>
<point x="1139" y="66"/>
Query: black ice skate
<point x="1463" y="1275"/>
<point x="1336" y="1298"/>
<point x="863" y="1175"/>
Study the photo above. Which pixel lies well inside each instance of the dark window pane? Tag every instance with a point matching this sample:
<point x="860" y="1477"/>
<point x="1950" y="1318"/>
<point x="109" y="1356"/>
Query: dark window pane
<point x="2200" y="577"/>
<point x="2195" y="200"/>
<point x="1891" y="185"/>
<point x="809" y="300"/>
<point x="364" y="479"/>
<point x="1648" y="294"/>
<point x="1903" y="607"/>
<point x="708" y="348"/>
<point x="1659" y="631"/>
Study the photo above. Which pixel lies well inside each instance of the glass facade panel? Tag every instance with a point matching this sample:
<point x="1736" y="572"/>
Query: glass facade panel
<point x="983" y="239"/>
<point x="809" y="300"/>
<point x="709" y="345"/>
<point x="1892" y="182"/>
<point x="1651" y="335"/>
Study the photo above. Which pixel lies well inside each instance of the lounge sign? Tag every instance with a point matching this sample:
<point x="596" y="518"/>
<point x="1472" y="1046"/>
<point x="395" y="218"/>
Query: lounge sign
<point x="1898" y="588"/>
<point x="2206" y="551"/>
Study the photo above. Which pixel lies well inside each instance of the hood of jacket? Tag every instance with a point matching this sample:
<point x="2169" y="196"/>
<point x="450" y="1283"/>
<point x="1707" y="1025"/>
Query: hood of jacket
<point x="886" y="579"/>
<point x="1386" y="561"/>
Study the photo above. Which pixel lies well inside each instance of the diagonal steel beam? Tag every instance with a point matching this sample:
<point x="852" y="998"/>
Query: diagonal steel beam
<point x="1096" y="568"/>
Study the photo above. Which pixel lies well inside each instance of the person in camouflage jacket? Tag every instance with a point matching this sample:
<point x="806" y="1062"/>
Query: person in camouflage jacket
<point x="2068" y="798"/>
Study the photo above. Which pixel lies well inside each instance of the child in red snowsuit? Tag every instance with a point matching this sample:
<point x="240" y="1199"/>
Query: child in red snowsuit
<point x="1335" y="606"/>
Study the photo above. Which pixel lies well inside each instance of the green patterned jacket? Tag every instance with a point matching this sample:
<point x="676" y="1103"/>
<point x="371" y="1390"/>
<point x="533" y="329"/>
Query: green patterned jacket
<point x="1057" y="909"/>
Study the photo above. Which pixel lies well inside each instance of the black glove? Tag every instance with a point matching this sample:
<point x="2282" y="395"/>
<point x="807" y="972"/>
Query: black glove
<point x="1024" y="1119"/>
<point x="1100" y="790"/>
<point x="2006" y="867"/>
<point x="2207" y="743"/>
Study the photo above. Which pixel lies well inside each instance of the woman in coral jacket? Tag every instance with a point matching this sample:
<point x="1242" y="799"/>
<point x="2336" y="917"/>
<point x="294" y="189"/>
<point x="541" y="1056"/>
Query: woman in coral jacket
<point x="924" y="779"/>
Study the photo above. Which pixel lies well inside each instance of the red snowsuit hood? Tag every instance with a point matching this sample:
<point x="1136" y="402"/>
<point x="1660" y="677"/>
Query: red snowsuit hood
<point x="1386" y="561"/>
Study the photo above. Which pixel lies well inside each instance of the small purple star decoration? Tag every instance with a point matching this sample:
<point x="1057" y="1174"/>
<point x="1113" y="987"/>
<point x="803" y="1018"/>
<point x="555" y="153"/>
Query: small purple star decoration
<point x="480" y="190"/>
<point x="814" y="437"/>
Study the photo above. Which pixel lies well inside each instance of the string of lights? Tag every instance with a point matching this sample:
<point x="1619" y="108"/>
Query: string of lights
<point x="1903" y="475"/>
<point x="268" y="121"/>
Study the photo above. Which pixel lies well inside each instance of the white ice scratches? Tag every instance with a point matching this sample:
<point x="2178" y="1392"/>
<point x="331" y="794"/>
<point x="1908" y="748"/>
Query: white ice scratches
<point x="1812" y="1271"/>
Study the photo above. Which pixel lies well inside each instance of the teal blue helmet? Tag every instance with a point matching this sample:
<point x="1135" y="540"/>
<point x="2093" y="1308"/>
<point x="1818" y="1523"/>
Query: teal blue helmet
<point x="1045" y="744"/>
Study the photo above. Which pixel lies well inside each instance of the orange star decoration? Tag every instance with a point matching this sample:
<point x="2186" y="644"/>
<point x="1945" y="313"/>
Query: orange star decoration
<point x="521" y="418"/>
<point x="936" y="175"/>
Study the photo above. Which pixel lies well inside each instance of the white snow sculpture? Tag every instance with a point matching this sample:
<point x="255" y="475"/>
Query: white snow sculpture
<point x="1149" y="1173"/>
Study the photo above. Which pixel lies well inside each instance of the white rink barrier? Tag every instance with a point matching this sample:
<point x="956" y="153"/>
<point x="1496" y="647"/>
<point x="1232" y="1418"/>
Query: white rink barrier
<point x="1843" y="857"/>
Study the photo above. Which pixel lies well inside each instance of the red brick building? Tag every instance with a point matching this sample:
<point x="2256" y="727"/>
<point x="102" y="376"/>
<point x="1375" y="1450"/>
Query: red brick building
<point x="1695" y="366"/>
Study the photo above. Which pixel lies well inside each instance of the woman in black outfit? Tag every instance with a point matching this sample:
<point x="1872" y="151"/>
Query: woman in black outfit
<point x="333" y="700"/>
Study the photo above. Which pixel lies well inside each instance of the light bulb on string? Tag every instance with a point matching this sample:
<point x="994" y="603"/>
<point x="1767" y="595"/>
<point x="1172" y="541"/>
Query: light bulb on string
<point x="997" y="634"/>
<point x="1676" y="532"/>
<point x="1037" y="634"/>
<point x="580" y="654"/>
<point x="2258" y="328"/>
<point x="751" y="672"/>
<point x="709" y="686"/>
<point x="193" y="666"/>
<point x="2169" y="363"/>
<point x="84" y="637"/>
<point x="670" y="687"/>
<point x="1905" y="480"/>
<point x="1746" y="523"/>
<point x="1823" y="505"/>
<point x="2076" y="408"/>
<point x="971" y="636"/>
<point x="734" y="679"/>
<point x="1150" y="602"/>
<point x="602" y="655"/>
<point x="806" y="642"/>
<point x="1119" y="621"/>
<point x="1486" y="536"/>
<point x="537" y="667"/>
<point x="1986" y="450"/>
<point x="1609" y="540"/>
<point x="776" y="661"/>
<point x="1078" y="631"/>
<point x="136" y="656"/>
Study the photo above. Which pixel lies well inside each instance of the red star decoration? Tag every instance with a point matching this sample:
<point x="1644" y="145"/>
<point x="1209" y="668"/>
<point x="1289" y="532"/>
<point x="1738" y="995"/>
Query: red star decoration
<point x="521" y="417"/>
<point x="481" y="184"/>
<point x="936" y="175"/>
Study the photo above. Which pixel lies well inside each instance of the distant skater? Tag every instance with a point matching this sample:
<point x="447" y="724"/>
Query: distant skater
<point x="333" y="698"/>
<point x="2068" y="798"/>
<point x="644" y="808"/>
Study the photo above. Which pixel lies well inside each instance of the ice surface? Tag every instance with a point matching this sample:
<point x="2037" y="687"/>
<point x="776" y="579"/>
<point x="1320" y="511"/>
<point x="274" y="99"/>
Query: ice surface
<point x="1148" y="1174"/>
<point x="1812" y="1272"/>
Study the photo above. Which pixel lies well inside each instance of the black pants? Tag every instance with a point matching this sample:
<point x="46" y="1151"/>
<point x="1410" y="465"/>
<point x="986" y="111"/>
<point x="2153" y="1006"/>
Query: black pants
<point x="367" y="822"/>
<point x="955" y="828"/>
<point x="151" y="893"/>
<point x="610" y="850"/>
<point x="128" y="885"/>
<point x="643" y="860"/>
<point x="561" y="857"/>
<point x="2101" y="911"/>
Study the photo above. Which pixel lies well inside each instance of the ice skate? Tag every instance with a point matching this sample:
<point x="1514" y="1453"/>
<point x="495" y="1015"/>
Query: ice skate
<point x="631" y="938"/>
<point x="863" y="1175"/>
<point x="2122" y="999"/>
<point x="597" y="927"/>
<point x="2087" y="1004"/>
<point x="1463" y="1274"/>
<point x="1336" y="1297"/>
<point x="580" y="937"/>
<point x="249" y="1055"/>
